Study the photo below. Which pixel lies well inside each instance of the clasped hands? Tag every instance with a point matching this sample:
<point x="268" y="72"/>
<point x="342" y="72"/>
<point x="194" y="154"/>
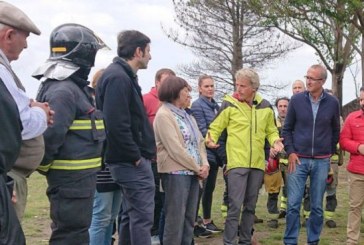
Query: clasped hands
<point x="45" y="107"/>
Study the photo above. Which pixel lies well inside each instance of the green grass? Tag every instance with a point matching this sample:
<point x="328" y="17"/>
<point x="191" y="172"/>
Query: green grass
<point x="269" y="236"/>
<point x="36" y="221"/>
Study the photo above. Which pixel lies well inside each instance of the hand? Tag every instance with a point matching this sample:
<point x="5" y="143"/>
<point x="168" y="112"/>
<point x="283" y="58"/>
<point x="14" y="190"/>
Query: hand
<point x="210" y="143"/>
<point x="278" y="145"/>
<point x="361" y="149"/>
<point x="45" y="106"/>
<point x="272" y="153"/>
<point x="204" y="171"/>
<point x="13" y="198"/>
<point x="292" y="161"/>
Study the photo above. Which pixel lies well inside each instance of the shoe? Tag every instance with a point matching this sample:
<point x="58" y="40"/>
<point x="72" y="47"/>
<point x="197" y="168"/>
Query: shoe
<point x="201" y="232"/>
<point x="155" y="240"/>
<point x="257" y="220"/>
<point x="331" y="223"/>
<point x="304" y="223"/>
<point x="212" y="227"/>
<point x="282" y="214"/>
<point x="199" y="220"/>
<point x="273" y="223"/>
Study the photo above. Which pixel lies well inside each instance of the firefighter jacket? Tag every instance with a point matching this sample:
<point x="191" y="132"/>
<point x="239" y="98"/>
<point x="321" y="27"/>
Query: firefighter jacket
<point x="75" y="140"/>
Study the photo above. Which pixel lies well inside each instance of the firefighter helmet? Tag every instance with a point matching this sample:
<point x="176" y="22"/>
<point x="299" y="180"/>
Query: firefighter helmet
<point x="75" y="43"/>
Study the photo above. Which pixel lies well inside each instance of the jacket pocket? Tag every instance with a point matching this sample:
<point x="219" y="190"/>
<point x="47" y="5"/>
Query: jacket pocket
<point x="97" y="126"/>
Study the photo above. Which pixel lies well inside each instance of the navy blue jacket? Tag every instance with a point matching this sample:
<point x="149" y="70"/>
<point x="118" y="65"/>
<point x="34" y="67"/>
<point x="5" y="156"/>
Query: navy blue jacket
<point x="306" y="137"/>
<point x="204" y="111"/>
<point x="128" y="132"/>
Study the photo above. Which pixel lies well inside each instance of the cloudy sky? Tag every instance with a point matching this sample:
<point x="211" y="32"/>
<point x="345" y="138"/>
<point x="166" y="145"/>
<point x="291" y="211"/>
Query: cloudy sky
<point x="108" y="17"/>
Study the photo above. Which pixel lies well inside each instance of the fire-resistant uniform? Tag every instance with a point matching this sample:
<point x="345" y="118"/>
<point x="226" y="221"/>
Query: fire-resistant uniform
<point x="273" y="181"/>
<point x="73" y="144"/>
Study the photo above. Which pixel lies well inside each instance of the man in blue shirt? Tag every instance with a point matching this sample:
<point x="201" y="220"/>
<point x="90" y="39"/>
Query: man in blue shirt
<point x="311" y="132"/>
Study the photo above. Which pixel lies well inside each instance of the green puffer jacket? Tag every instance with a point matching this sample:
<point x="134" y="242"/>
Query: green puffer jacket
<point x="247" y="128"/>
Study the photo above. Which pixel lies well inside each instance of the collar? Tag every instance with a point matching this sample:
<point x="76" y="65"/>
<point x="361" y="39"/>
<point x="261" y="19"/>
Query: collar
<point x="128" y="68"/>
<point x="320" y="98"/>
<point x="153" y="91"/>
<point x="3" y="56"/>
<point x="211" y="103"/>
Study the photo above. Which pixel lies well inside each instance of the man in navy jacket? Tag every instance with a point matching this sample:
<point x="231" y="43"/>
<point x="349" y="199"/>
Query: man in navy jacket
<point x="311" y="132"/>
<point x="130" y="139"/>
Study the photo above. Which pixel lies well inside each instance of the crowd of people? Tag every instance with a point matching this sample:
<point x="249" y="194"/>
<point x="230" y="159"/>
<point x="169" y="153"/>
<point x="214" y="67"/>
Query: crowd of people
<point x="116" y="159"/>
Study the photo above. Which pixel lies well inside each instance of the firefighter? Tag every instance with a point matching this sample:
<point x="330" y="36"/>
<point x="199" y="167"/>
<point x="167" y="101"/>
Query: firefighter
<point x="275" y="169"/>
<point x="73" y="144"/>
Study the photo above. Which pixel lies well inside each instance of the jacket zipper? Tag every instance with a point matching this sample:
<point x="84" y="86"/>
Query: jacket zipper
<point x="251" y="136"/>
<point x="313" y="132"/>
<point x="313" y="137"/>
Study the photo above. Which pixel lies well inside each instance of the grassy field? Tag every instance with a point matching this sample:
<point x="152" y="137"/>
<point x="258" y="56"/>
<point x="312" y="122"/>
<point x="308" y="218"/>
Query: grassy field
<point x="36" y="221"/>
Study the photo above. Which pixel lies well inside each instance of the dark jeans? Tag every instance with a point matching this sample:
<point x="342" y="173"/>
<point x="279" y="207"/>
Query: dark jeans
<point x="208" y="191"/>
<point x="137" y="185"/>
<point x="158" y="201"/>
<point x="11" y="232"/>
<point x="71" y="197"/>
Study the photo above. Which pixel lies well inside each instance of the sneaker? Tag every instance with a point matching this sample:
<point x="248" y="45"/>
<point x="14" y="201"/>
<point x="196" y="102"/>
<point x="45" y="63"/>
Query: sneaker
<point x="201" y="232"/>
<point x="282" y="214"/>
<point x="273" y="223"/>
<point x="212" y="227"/>
<point x="155" y="240"/>
<point x="199" y="220"/>
<point x="331" y="223"/>
<point x="257" y="220"/>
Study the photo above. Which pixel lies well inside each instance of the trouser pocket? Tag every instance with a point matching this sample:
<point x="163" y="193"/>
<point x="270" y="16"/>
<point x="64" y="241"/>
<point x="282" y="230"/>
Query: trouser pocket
<point x="72" y="208"/>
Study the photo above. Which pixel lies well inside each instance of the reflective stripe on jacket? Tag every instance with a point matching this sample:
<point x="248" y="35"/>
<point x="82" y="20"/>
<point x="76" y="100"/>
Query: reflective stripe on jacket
<point x="75" y="140"/>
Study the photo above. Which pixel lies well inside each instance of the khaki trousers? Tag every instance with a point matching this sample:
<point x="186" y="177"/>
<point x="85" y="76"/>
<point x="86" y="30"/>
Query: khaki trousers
<point x="21" y="190"/>
<point x="356" y="201"/>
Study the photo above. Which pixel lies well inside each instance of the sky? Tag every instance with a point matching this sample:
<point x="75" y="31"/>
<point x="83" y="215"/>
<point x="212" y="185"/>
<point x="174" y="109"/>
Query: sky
<point x="108" y="17"/>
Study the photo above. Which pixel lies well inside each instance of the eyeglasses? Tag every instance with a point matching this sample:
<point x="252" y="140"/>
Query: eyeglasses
<point x="313" y="79"/>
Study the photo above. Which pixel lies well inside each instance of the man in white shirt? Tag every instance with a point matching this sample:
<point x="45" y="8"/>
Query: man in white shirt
<point x="15" y="27"/>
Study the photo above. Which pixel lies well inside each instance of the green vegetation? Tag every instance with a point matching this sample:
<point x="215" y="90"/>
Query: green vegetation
<point x="36" y="222"/>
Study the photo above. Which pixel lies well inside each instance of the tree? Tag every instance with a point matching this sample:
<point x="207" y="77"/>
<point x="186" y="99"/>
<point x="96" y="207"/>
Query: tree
<point x="357" y="19"/>
<point x="224" y="35"/>
<point x="321" y="24"/>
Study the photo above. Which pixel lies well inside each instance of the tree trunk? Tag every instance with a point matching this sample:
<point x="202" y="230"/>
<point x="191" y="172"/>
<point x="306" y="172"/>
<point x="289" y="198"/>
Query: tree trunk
<point x="237" y="59"/>
<point x="337" y="82"/>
